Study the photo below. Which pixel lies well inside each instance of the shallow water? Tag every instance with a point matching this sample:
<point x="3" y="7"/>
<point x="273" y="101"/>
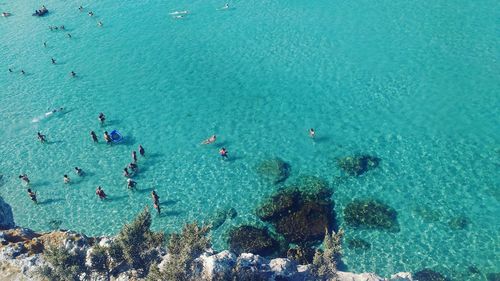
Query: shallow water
<point x="412" y="82"/>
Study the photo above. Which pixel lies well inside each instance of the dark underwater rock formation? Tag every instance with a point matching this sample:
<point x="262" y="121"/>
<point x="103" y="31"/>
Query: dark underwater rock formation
<point x="301" y="212"/>
<point x="458" y="223"/>
<point x="428" y="275"/>
<point x="251" y="239"/>
<point x="371" y="214"/>
<point x="221" y="216"/>
<point x="6" y="217"/>
<point x="358" y="244"/>
<point x="275" y="170"/>
<point x="357" y="165"/>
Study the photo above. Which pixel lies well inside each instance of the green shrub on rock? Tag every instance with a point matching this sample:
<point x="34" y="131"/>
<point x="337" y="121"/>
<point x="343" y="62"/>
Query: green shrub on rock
<point x="275" y="170"/>
<point x="325" y="261"/>
<point x="251" y="239"/>
<point x="372" y="214"/>
<point x="99" y="259"/>
<point x="357" y="165"/>
<point x="62" y="265"/>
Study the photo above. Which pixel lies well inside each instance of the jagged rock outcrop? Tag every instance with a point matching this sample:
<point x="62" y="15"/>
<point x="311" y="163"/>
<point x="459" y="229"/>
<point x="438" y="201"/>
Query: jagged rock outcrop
<point x="6" y="217"/>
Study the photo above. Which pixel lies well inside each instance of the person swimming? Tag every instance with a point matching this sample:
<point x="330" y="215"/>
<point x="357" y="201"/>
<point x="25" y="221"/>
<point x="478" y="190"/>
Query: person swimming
<point x="312" y="133"/>
<point x="10" y="70"/>
<point x="45" y="44"/>
<point x="25" y="178"/>
<point x="223" y="153"/>
<point x="155" y="196"/>
<point x="53" y="60"/>
<point x="69" y="35"/>
<point x="79" y="171"/>
<point x="131" y="183"/>
<point x="99" y="23"/>
<point x="133" y="167"/>
<point x="101" y="117"/>
<point x="225" y="7"/>
<point x="100" y="192"/>
<point x="126" y="173"/>
<point x="91" y="14"/>
<point x="72" y="73"/>
<point x="66" y="179"/>
<point x="179" y="12"/>
<point x="107" y="137"/>
<point x="32" y="195"/>
<point x="94" y="136"/>
<point x="210" y="140"/>
<point x="80" y="8"/>
<point x="134" y="156"/>
<point x="41" y="137"/>
<point x="156" y="205"/>
<point x="22" y="72"/>
<point x="141" y="151"/>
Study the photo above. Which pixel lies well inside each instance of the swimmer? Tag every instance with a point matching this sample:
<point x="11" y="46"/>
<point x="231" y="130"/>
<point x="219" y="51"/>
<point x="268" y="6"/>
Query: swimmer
<point x="101" y="117"/>
<point x="141" y="150"/>
<point x="5" y="14"/>
<point x="126" y="173"/>
<point x="66" y="179"/>
<point x="79" y="171"/>
<point x="223" y="153"/>
<point x="210" y="140"/>
<point x="133" y="167"/>
<point x="53" y="60"/>
<point x="107" y="137"/>
<point x="50" y="113"/>
<point x="94" y="136"/>
<point x="134" y="156"/>
<point x="225" y="7"/>
<point x="99" y="192"/>
<point x="69" y="35"/>
<point x="22" y="72"/>
<point x="72" y="73"/>
<point x="45" y="44"/>
<point x="25" y="178"/>
<point x="179" y="12"/>
<point x="131" y="184"/>
<point x="41" y="137"/>
<point x="62" y="27"/>
<point x="80" y="8"/>
<point x="10" y="70"/>
<point x="32" y="195"/>
<point x="91" y="14"/>
<point x="99" y="23"/>
<point x="312" y="133"/>
<point x="155" y="196"/>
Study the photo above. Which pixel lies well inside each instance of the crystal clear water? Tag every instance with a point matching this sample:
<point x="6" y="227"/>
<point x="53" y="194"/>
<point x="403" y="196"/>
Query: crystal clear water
<point x="412" y="82"/>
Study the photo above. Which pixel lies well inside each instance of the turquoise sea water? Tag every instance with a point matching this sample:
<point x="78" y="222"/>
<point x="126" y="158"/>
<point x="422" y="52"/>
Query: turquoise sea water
<point x="415" y="83"/>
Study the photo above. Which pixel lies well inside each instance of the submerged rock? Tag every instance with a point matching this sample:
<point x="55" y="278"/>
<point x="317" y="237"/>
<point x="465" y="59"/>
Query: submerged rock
<point x="251" y="239"/>
<point x="428" y="275"/>
<point x="6" y="217"/>
<point x="427" y="214"/>
<point x="220" y="217"/>
<point x="301" y="254"/>
<point x="358" y="165"/>
<point x="279" y="204"/>
<point x="275" y="170"/>
<point x="458" y="223"/>
<point x="358" y="244"/>
<point x="371" y="214"/>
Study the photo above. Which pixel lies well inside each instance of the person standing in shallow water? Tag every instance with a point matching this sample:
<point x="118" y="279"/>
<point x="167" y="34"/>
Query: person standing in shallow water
<point x="94" y="136"/>
<point x="79" y="171"/>
<point x="101" y="118"/>
<point x="134" y="156"/>
<point x="141" y="151"/>
<point x="99" y="192"/>
<point x="41" y="137"/>
<point x="107" y="137"/>
<point x="25" y="178"/>
<point x="156" y="201"/>
<point x="312" y="133"/>
<point x="223" y="153"/>
<point x="32" y="196"/>
<point x="66" y="179"/>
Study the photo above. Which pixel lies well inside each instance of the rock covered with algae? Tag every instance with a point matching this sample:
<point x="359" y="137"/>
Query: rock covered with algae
<point x="274" y="169"/>
<point x="300" y="212"/>
<point x="371" y="214"/>
<point x="358" y="164"/>
<point x="428" y="275"/>
<point x="358" y="244"/>
<point x="251" y="239"/>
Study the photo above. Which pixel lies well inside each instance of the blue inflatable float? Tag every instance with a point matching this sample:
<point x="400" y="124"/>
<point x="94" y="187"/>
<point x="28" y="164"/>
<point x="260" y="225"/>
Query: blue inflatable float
<point x="116" y="136"/>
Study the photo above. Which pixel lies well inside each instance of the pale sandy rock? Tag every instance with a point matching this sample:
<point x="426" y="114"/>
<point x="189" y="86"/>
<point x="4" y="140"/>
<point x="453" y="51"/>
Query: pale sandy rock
<point x="349" y="276"/>
<point x="282" y="267"/>
<point x="401" y="276"/>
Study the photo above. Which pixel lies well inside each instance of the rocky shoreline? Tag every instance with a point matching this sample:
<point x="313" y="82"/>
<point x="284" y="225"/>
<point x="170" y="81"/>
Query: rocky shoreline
<point x="22" y="253"/>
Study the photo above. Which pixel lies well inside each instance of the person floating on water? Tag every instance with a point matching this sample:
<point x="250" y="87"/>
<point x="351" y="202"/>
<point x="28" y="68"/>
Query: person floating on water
<point x="69" y="35"/>
<point x="91" y="14"/>
<point x="134" y="156"/>
<point x="66" y="179"/>
<point x="99" y="23"/>
<point x="53" y="60"/>
<point x="32" y="195"/>
<point x="45" y="44"/>
<point x="107" y="137"/>
<point x="156" y="201"/>
<point x="80" y="8"/>
<point x="22" y="72"/>
<point x="210" y="140"/>
<point x="99" y="192"/>
<point x="102" y="118"/>
<point x="25" y="178"/>
<point x="141" y="151"/>
<point x="126" y="173"/>
<point x="312" y="133"/>
<point x="72" y="73"/>
<point x="79" y="171"/>
<point x="94" y="136"/>
<point x="223" y="153"/>
<point x="41" y="137"/>
<point x="131" y="184"/>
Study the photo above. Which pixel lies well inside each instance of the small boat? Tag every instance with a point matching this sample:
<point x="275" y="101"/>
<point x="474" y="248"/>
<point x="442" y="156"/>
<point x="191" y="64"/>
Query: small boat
<point x="40" y="13"/>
